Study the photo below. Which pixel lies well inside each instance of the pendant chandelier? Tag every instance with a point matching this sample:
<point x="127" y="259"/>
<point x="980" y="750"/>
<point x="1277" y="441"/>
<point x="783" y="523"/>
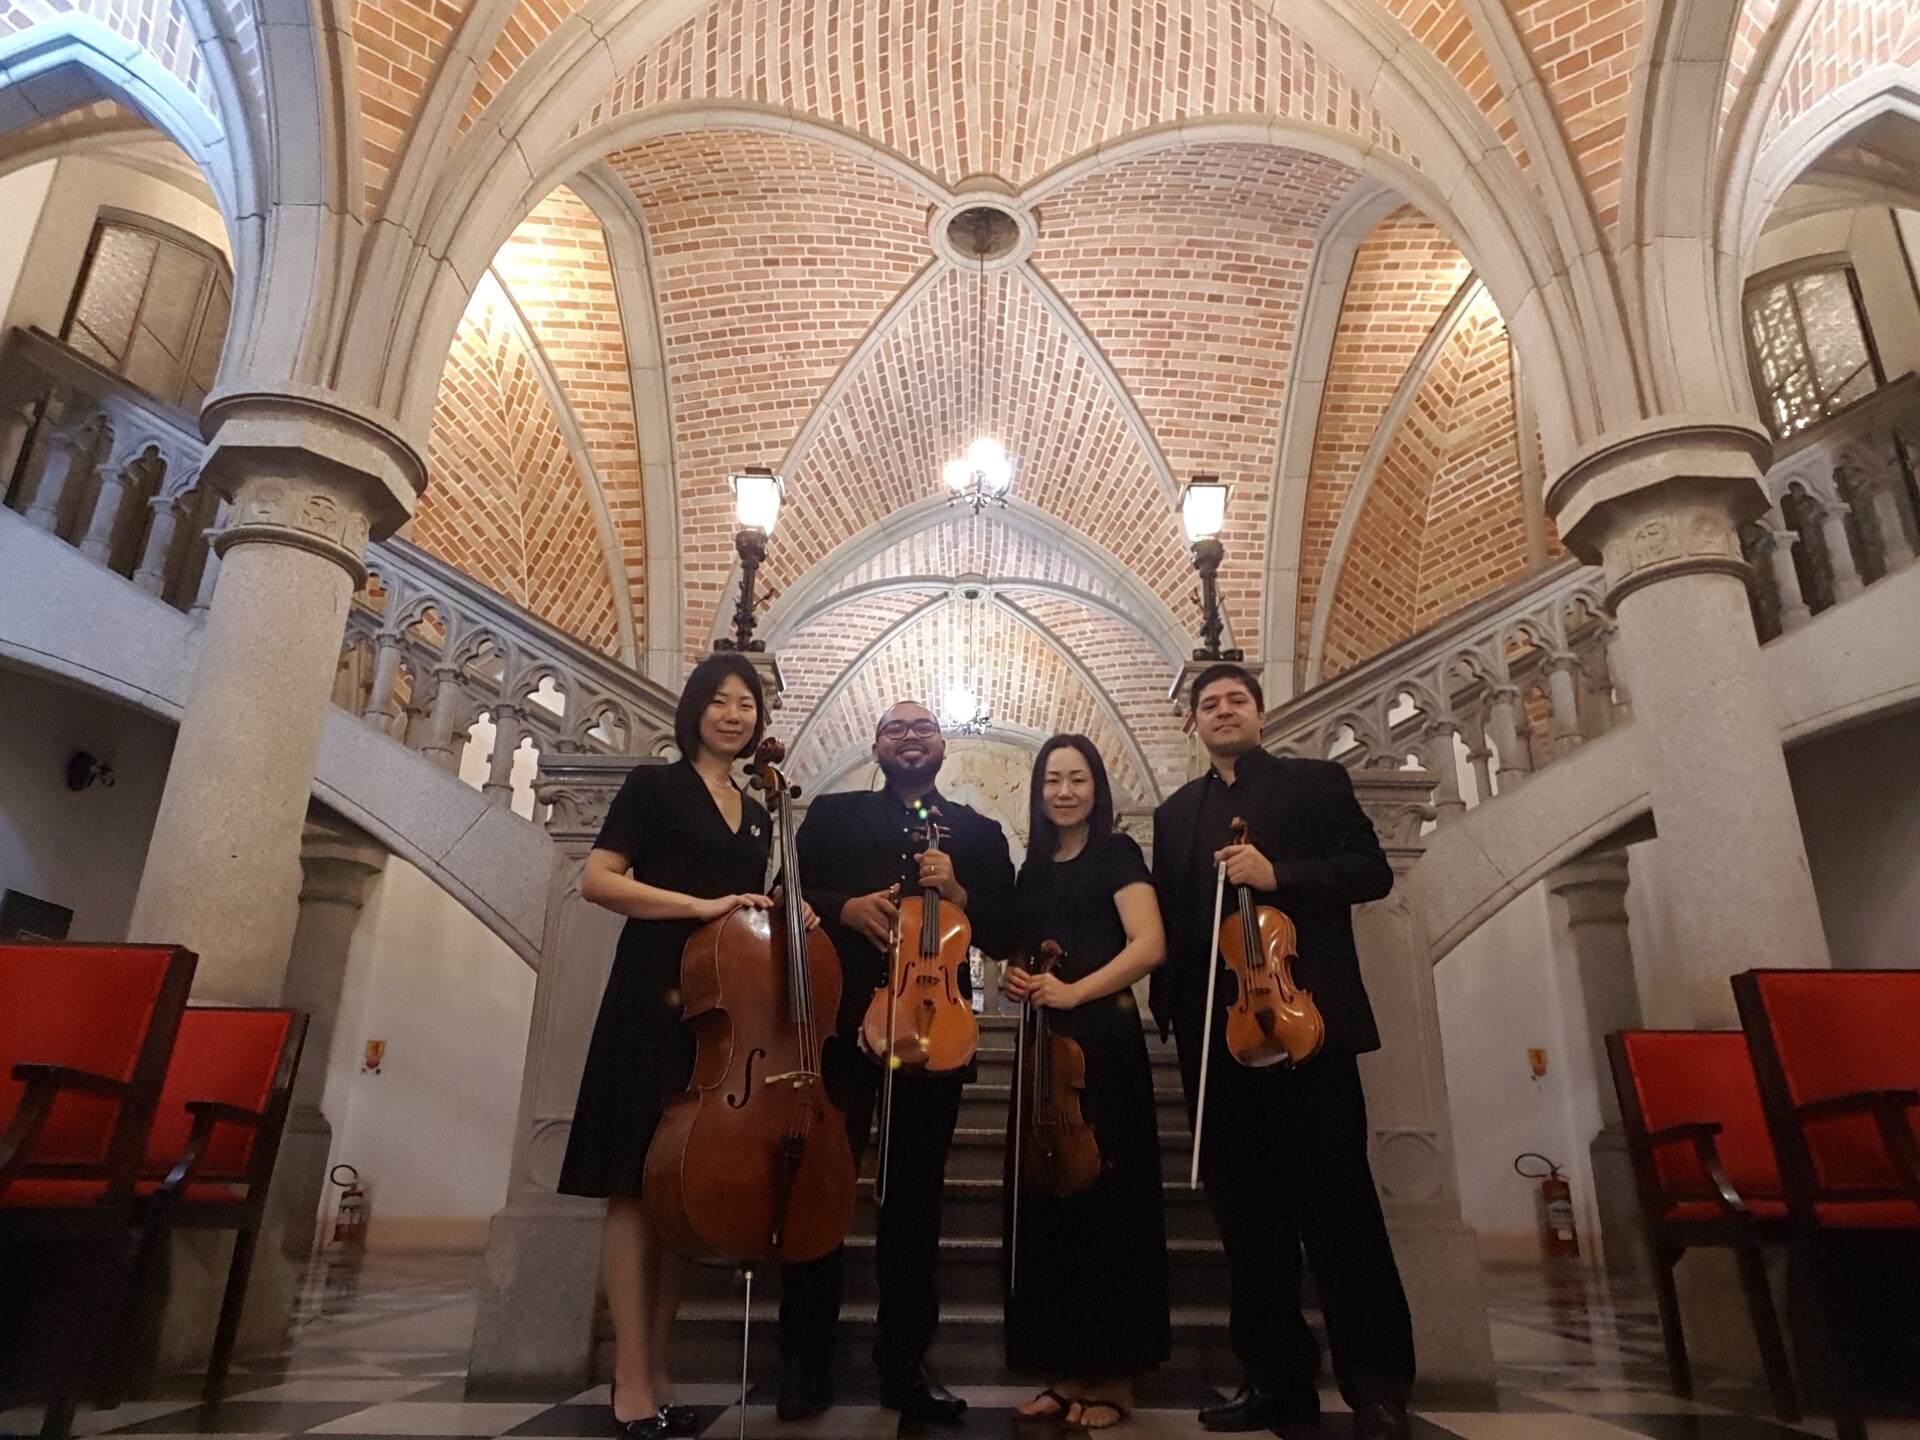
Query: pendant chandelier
<point x="983" y="475"/>
<point x="962" y="711"/>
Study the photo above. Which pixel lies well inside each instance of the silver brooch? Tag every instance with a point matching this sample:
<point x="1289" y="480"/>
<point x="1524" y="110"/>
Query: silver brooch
<point x="754" y="830"/>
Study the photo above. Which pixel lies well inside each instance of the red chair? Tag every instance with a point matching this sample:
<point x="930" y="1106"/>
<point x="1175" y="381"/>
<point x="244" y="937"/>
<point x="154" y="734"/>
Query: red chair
<point x="1837" y="1055"/>
<point x="85" y="1033"/>
<point x="212" y="1149"/>
<point x="1704" y="1166"/>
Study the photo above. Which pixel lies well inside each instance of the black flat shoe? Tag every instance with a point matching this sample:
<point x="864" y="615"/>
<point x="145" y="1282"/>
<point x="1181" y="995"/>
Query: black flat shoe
<point x="681" y="1419"/>
<point x="918" y="1396"/>
<point x="1380" y="1420"/>
<point x="1256" y="1408"/>
<point x="806" y="1388"/>
<point x="647" y="1427"/>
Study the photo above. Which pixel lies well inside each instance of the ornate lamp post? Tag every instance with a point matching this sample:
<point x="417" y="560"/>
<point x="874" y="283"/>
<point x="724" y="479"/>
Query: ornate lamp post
<point x="756" y="509"/>
<point x="1203" y="513"/>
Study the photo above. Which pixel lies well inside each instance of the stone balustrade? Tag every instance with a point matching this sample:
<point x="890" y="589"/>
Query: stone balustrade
<point x="428" y="652"/>
<point x="1480" y="701"/>
<point x="1509" y="684"/>
<point x="1845" y="509"/>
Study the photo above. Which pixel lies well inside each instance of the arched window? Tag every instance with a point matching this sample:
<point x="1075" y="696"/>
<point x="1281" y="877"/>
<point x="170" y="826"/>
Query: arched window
<point x="151" y="306"/>
<point x="1808" y="344"/>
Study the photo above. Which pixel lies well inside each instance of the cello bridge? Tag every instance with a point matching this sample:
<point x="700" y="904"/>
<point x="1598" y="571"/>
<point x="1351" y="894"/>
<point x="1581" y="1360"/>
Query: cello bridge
<point x="797" y="1077"/>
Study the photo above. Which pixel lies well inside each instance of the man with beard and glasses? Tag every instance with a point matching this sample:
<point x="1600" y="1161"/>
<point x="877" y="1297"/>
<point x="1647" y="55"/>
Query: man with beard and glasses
<point x="854" y="849"/>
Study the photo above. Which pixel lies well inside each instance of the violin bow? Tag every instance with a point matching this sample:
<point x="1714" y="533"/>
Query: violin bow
<point x="887" y="1063"/>
<point x="1206" y="1041"/>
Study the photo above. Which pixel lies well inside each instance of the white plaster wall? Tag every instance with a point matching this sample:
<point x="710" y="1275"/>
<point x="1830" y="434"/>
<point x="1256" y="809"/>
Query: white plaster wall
<point x="432" y="1133"/>
<point x="1507" y="988"/>
<point x="84" y="850"/>
<point x="62" y="222"/>
<point x="1858" y="793"/>
<point x="1872" y="237"/>
<point x="22" y="194"/>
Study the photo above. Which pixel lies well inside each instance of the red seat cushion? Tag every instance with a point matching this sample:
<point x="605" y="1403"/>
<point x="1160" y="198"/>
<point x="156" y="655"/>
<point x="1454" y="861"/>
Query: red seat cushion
<point x="1838" y="1032"/>
<point x="87" y="1007"/>
<point x="228" y="1055"/>
<point x="69" y="1194"/>
<point x="1690" y="1077"/>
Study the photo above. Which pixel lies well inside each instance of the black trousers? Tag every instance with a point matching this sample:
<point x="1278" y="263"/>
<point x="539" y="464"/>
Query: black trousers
<point x="907" y="1241"/>
<point x="1284" y="1160"/>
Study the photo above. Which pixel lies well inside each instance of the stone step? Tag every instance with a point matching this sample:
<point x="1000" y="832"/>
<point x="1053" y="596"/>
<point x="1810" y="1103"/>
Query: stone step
<point x="980" y="1154"/>
<point x="967" y="1351"/>
<point x="972" y="1210"/>
<point x="970" y="1274"/>
<point x="984" y="1103"/>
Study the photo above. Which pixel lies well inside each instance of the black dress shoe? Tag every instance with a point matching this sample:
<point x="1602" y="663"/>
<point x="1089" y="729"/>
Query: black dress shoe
<point x="1380" y="1420"/>
<point x="806" y="1388"/>
<point x="1257" y="1408"/>
<point x="647" y="1427"/>
<point x="919" y="1396"/>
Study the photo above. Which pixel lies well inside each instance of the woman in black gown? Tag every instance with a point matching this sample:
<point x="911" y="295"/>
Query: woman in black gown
<point x="681" y="846"/>
<point x="1088" y="1306"/>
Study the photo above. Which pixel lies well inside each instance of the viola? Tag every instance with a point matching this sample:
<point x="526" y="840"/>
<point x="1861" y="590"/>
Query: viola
<point x="1055" y="1152"/>
<point x="1272" y="1021"/>
<point x="752" y="1162"/>
<point x="920" y="1020"/>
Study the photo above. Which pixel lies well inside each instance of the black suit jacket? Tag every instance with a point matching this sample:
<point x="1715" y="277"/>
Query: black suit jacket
<point x="1326" y="859"/>
<point x="849" y="845"/>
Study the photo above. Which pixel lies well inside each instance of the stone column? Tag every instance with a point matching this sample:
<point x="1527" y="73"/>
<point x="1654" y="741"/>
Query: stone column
<point x="151" y="575"/>
<point x="386" y="680"/>
<point x="210" y="571"/>
<point x="1595" y="891"/>
<point x="441" y="746"/>
<point x="1777" y="542"/>
<point x="1661" y="510"/>
<point x="1514" y="756"/>
<point x="97" y="543"/>
<point x="535" y="1322"/>
<point x="1563" y="689"/>
<point x="62" y="455"/>
<point x="1406" y="1085"/>
<point x="310" y="482"/>
<point x="1832" y="518"/>
<point x="506" y="741"/>
<point x="336" y="862"/>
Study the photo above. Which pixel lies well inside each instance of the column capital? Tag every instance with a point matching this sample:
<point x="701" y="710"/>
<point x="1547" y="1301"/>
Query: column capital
<point x="1594" y="887"/>
<point x="1399" y="803"/>
<point x="336" y="861"/>
<point x="1663" y="500"/>
<point x="306" y="471"/>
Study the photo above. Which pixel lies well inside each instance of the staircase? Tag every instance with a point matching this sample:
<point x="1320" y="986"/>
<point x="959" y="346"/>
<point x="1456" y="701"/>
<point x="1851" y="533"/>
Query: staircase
<point x="968" y="1348"/>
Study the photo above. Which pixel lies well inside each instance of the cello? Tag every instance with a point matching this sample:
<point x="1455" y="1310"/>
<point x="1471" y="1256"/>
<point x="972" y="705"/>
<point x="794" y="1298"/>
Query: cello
<point x="752" y="1162"/>
<point x="1271" y="1020"/>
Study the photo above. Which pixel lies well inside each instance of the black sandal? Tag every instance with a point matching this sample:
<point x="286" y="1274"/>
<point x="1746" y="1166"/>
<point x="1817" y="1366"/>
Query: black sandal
<point x="1046" y="1417"/>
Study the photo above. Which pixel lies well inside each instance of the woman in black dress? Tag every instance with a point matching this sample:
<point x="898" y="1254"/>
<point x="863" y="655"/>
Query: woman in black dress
<point x="1089" y="1309"/>
<point x="681" y="846"/>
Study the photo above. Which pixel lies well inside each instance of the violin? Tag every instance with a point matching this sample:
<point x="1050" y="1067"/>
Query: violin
<point x="1055" y="1153"/>
<point x="920" y="1020"/>
<point x="752" y="1162"/>
<point x="1272" y="1021"/>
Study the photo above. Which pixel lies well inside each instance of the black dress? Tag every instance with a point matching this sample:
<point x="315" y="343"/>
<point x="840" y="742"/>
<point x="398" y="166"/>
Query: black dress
<point x="665" y="821"/>
<point x="1091" y="1297"/>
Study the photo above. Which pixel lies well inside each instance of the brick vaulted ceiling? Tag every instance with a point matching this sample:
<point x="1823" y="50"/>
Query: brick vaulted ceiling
<point x="804" y="319"/>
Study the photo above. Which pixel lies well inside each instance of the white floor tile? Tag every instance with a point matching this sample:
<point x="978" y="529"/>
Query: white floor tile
<point x="433" y="1417"/>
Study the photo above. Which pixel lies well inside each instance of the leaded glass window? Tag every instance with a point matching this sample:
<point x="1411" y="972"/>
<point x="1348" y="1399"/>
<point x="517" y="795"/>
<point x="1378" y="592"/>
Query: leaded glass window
<point x="151" y="307"/>
<point x="1811" y="351"/>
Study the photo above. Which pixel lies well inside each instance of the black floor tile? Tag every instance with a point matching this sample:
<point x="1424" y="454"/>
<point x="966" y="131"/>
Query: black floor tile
<point x="246" y="1417"/>
<point x="1707" y="1427"/>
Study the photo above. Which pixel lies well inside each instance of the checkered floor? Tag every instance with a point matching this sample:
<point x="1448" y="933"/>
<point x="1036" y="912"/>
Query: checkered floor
<point x="381" y="1351"/>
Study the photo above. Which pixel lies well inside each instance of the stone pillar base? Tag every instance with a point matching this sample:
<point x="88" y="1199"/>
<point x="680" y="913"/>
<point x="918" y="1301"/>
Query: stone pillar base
<point x="1439" y="1261"/>
<point x="535" y="1323"/>
<point x="1713" y="1312"/>
<point x="193" y="1282"/>
<point x="1623" y="1235"/>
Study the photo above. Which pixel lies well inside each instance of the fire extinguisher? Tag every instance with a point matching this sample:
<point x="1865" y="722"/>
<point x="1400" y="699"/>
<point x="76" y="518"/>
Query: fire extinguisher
<point x="1557" y="1237"/>
<point x="350" y="1221"/>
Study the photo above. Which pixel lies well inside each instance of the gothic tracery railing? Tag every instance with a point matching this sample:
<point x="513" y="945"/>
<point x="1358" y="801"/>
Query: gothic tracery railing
<point x="428" y="651"/>
<point x="1480" y="701"/>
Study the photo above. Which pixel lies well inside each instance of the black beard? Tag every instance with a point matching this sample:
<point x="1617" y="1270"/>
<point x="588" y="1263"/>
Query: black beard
<point x="901" y="776"/>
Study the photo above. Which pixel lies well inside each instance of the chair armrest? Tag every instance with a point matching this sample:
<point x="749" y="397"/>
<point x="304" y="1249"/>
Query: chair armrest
<point x="1888" y="1109"/>
<point x="65" y="1077"/>
<point x="44" y="1084"/>
<point x="1700" y="1135"/>
<point x="206" y="1114"/>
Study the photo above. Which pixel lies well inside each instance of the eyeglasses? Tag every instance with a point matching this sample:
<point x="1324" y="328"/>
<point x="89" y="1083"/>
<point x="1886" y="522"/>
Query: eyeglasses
<point x="901" y="729"/>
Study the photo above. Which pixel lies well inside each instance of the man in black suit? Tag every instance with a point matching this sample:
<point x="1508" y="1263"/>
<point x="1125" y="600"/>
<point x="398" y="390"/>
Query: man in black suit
<point x="1284" y="1155"/>
<point x="854" y="848"/>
